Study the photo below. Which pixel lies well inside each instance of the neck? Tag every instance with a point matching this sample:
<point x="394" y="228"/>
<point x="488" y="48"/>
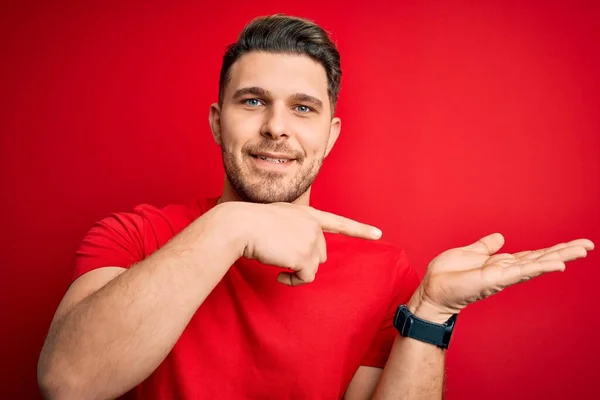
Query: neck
<point x="229" y="194"/>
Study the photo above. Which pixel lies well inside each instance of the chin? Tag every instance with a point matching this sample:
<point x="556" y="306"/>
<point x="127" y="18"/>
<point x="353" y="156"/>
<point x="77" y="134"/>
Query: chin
<point x="260" y="186"/>
<point x="267" y="198"/>
<point x="271" y="192"/>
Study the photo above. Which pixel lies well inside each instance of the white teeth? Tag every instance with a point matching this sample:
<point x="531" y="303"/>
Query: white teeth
<point x="273" y="160"/>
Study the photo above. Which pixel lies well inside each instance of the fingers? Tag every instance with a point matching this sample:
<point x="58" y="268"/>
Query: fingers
<point x="500" y="257"/>
<point x="289" y="279"/>
<point x="564" y="254"/>
<point x="322" y="249"/>
<point x="562" y="251"/>
<point x="300" y="277"/>
<point x="522" y="272"/>
<point x="587" y="244"/>
<point x="504" y="270"/>
<point x="337" y="224"/>
<point x="306" y="273"/>
<point x="489" y="244"/>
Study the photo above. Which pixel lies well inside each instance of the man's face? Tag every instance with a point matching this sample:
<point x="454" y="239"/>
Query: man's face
<point x="274" y="126"/>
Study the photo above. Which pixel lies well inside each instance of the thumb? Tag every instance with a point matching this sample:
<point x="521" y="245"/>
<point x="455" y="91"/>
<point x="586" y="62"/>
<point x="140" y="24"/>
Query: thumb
<point x="489" y="244"/>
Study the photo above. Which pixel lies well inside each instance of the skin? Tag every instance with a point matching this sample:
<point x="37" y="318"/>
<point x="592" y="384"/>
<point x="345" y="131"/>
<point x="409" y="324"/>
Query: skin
<point x="285" y="112"/>
<point x="454" y="279"/>
<point x="274" y="105"/>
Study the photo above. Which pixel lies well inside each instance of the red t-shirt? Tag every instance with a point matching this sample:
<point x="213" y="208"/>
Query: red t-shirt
<point x="254" y="338"/>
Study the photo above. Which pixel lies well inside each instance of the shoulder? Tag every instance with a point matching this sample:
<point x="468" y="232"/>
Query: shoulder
<point x="171" y="218"/>
<point x="123" y="238"/>
<point x="147" y="218"/>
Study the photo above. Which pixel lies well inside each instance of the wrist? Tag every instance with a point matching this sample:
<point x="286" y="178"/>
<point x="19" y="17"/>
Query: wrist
<point x="425" y="310"/>
<point x="209" y="239"/>
<point x="226" y="222"/>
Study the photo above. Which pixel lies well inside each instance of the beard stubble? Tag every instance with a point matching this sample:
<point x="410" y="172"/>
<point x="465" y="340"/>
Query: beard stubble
<point x="270" y="187"/>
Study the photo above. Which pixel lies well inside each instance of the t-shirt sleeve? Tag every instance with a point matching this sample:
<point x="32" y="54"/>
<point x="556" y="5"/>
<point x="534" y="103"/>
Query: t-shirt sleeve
<point x="114" y="241"/>
<point x="405" y="283"/>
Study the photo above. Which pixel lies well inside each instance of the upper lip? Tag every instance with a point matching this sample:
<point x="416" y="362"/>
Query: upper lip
<point x="276" y="156"/>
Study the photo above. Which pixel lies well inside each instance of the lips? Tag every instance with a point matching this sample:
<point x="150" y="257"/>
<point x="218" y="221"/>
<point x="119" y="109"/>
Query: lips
<point x="273" y="157"/>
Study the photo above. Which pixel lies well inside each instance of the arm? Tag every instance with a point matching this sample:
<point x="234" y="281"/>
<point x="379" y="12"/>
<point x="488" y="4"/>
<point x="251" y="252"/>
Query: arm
<point x="454" y="279"/>
<point x="111" y="316"/>
<point x="415" y="370"/>
<point x="105" y="321"/>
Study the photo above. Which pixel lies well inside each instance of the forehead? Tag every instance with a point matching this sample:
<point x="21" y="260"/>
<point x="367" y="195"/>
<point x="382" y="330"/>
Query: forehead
<point x="280" y="74"/>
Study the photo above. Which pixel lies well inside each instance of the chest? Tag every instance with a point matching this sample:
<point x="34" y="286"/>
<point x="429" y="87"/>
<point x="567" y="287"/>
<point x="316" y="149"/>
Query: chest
<point x="256" y="338"/>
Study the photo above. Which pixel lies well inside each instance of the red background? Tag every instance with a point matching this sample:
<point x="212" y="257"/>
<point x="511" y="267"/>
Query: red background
<point x="458" y="120"/>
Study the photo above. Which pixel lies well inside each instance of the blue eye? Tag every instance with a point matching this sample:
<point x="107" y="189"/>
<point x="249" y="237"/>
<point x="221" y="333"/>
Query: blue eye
<point x="303" y="109"/>
<point x="252" y="102"/>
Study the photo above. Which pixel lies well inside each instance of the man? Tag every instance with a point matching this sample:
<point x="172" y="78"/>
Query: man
<point x="256" y="294"/>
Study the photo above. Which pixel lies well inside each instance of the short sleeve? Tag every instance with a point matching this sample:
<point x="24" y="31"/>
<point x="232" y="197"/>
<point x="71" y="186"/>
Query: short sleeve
<point x="115" y="241"/>
<point x="405" y="284"/>
<point x="126" y="238"/>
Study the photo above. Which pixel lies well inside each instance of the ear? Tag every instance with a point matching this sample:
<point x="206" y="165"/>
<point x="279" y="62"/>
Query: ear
<point x="334" y="133"/>
<point x="214" y="118"/>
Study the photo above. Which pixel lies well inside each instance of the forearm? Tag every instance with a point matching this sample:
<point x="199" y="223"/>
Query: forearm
<point x="415" y="369"/>
<point x="117" y="336"/>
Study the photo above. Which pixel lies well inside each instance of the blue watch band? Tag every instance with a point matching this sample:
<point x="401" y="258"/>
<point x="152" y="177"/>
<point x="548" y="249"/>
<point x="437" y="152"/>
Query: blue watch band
<point x="409" y="325"/>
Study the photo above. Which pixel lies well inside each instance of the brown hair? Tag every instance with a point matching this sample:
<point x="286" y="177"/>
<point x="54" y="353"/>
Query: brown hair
<point x="285" y="34"/>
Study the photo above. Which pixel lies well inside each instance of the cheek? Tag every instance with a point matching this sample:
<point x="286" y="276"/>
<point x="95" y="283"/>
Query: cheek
<point x="314" y="141"/>
<point x="236" y="130"/>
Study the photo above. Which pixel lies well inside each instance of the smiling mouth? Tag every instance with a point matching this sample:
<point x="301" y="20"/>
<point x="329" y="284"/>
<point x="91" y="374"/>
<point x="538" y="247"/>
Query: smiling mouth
<point x="272" y="159"/>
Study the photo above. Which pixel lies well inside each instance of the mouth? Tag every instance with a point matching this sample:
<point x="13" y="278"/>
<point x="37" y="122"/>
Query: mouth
<point x="273" y="158"/>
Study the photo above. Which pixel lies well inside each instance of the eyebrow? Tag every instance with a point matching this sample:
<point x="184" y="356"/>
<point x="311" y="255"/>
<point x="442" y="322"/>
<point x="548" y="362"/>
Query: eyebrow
<point x="258" y="91"/>
<point x="253" y="90"/>
<point x="305" y="98"/>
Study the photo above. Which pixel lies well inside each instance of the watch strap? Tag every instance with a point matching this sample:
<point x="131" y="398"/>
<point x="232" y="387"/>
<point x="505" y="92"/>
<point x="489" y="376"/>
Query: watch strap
<point x="409" y="325"/>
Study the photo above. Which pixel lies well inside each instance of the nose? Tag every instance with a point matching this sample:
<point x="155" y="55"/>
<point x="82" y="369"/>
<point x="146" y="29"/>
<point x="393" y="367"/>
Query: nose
<point x="274" y="126"/>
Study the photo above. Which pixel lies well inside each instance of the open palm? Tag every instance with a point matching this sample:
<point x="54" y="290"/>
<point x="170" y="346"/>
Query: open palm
<point x="464" y="275"/>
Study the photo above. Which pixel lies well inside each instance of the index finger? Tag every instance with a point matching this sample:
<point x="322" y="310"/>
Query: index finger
<point x="334" y="223"/>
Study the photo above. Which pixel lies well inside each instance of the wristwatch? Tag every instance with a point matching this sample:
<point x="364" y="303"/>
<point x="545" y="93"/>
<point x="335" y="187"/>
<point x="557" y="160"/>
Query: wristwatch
<point x="409" y="325"/>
